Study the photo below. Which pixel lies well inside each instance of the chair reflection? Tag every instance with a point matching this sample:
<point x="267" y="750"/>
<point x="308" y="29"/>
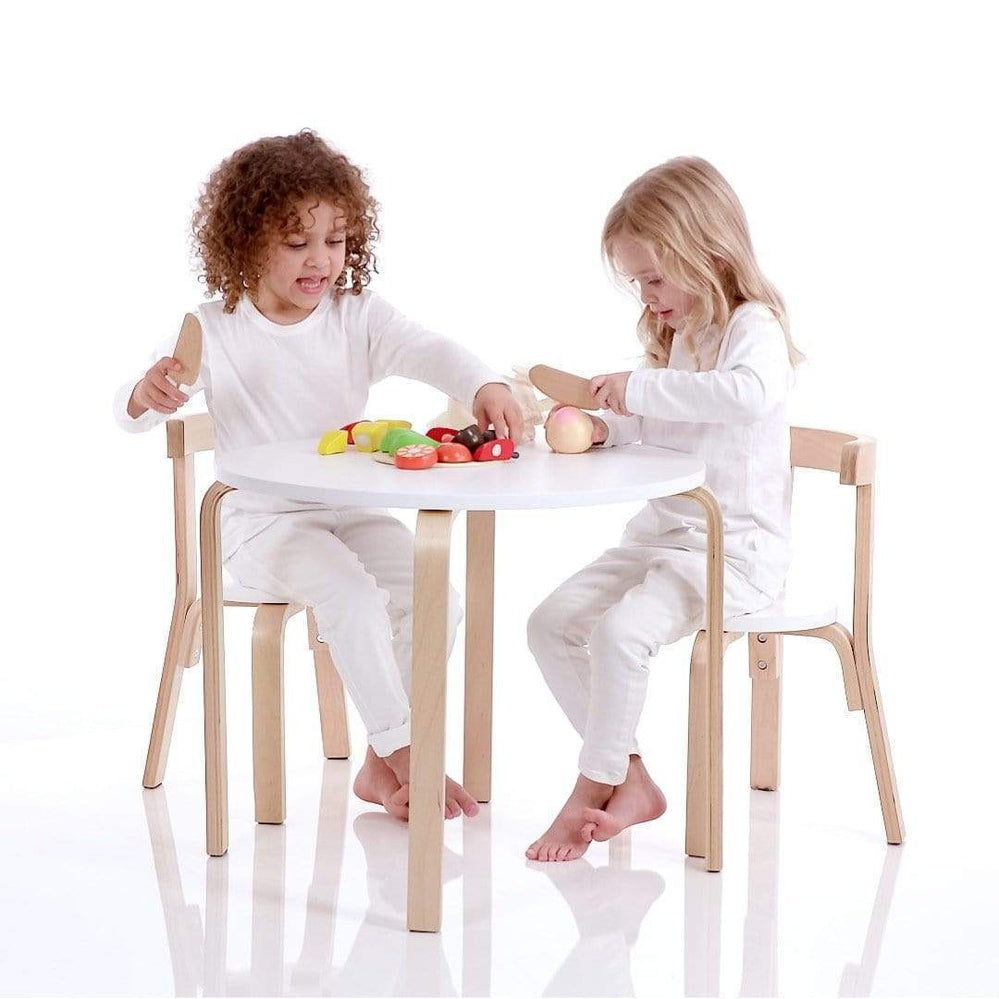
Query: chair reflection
<point x="608" y="905"/>
<point x="703" y="915"/>
<point x="383" y="959"/>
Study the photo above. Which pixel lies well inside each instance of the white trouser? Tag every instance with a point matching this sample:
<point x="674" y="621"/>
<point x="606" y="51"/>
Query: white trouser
<point x="594" y="636"/>
<point x="354" y="568"/>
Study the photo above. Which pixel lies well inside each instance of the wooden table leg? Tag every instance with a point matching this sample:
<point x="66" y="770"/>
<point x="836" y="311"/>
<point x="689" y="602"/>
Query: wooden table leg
<point x="426" y="769"/>
<point x="479" y="579"/>
<point x="216" y="774"/>
<point x="716" y="652"/>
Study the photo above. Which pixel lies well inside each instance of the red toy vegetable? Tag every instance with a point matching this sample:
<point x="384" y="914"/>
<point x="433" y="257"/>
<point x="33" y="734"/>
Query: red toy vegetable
<point x="442" y="434"/>
<point x="349" y="427"/>
<point x="416" y="456"/>
<point x="497" y="450"/>
<point x="453" y="454"/>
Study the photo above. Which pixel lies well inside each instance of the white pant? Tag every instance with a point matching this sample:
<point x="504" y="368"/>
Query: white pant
<point x="594" y="636"/>
<point x="355" y="569"/>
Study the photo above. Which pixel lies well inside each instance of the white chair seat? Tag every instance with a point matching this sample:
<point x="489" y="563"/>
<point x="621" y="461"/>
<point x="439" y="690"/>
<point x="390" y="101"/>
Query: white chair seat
<point x="797" y="609"/>
<point x="232" y="592"/>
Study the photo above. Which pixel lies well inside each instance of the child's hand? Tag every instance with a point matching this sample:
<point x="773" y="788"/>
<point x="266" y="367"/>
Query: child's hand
<point x="600" y="431"/>
<point x="610" y="391"/>
<point x="494" y="404"/>
<point x="154" y="391"/>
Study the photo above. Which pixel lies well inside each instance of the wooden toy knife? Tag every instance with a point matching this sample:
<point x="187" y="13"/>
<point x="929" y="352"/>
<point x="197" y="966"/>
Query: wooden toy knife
<point x="188" y="351"/>
<point x="563" y="387"/>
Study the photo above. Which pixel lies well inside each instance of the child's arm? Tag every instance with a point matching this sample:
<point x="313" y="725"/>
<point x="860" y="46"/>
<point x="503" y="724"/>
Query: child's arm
<point x="751" y="379"/>
<point x="619" y="429"/>
<point x="143" y="403"/>
<point x="399" y="346"/>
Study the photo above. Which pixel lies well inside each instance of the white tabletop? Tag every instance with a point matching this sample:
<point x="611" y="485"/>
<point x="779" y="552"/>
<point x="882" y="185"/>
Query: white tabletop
<point x="537" y="479"/>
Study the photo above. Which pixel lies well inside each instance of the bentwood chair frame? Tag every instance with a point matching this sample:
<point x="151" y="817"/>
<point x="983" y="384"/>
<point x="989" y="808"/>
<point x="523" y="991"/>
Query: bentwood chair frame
<point x="185" y="438"/>
<point x="853" y="458"/>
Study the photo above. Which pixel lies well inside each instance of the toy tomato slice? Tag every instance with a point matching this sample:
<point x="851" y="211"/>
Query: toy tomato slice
<point x="415" y="456"/>
<point x="443" y="434"/>
<point x="453" y="454"/>
<point x="498" y="450"/>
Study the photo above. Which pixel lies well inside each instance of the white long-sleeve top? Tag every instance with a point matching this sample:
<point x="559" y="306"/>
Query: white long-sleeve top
<point x="733" y="418"/>
<point x="267" y="382"/>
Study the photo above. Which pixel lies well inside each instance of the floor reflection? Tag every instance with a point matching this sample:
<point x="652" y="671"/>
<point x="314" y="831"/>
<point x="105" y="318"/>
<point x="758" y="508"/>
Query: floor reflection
<point x="608" y="905"/>
<point x="703" y="915"/>
<point x="384" y="959"/>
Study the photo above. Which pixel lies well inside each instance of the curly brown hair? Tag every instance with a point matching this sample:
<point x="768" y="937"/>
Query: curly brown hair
<point x="250" y="198"/>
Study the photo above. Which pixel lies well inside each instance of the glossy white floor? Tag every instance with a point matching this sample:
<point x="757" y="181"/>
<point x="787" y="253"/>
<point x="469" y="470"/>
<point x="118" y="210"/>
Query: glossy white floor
<point x="107" y="890"/>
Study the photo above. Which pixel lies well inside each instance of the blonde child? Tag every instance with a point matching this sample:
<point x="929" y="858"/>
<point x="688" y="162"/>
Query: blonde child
<point x="717" y="368"/>
<point x="284" y="230"/>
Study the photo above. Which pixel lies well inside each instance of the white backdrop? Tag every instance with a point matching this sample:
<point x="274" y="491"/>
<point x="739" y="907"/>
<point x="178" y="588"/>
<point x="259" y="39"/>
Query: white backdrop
<point x="496" y="137"/>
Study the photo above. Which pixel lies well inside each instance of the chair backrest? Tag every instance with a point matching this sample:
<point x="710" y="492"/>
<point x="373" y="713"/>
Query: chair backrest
<point x="853" y="457"/>
<point x="185" y="438"/>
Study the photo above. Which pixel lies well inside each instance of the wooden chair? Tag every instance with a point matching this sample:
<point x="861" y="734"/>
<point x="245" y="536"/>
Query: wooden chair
<point x="794" y="614"/>
<point x="185" y="438"/>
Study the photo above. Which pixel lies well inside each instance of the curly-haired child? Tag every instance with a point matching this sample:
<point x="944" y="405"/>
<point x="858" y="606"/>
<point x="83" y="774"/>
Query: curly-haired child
<point x="284" y="231"/>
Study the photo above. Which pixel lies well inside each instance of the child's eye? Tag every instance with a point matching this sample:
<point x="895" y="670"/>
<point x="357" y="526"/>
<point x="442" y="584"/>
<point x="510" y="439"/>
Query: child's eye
<point x="655" y="281"/>
<point x="295" y="246"/>
<point x="335" y="242"/>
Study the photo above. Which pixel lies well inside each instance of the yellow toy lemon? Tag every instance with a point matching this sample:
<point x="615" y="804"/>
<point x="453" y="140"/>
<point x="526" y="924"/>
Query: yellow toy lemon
<point x="333" y="442"/>
<point x="368" y="435"/>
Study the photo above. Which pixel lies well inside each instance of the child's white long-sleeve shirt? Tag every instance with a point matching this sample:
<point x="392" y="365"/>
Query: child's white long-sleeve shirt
<point x="733" y="418"/>
<point x="266" y="382"/>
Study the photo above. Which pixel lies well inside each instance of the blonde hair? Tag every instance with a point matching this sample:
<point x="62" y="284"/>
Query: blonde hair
<point x="690" y="219"/>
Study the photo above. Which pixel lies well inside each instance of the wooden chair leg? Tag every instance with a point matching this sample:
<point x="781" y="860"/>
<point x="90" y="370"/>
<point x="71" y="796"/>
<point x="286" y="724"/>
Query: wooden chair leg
<point x="842" y="641"/>
<point x="333" y="720"/>
<point x="426" y="788"/>
<point x="765" y="655"/>
<point x="877" y="735"/>
<point x="479" y="578"/>
<point x="216" y="762"/>
<point x="696" y="832"/>
<point x="184" y="637"/>
<point x="714" y="620"/>
<point x="268" y="711"/>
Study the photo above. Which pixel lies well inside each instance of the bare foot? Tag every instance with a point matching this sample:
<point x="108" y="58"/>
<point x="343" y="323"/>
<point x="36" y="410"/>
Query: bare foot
<point x="456" y="799"/>
<point x="375" y="782"/>
<point x="637" y="800"/>
<point x="564" y="839"/>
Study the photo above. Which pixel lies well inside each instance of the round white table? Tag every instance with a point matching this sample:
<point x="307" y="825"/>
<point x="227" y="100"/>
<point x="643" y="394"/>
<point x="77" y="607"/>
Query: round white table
<point x="538" y="479"/>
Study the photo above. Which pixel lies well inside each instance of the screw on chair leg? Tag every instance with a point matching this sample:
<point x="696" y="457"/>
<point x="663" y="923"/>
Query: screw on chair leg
<point x="765" y="655"/>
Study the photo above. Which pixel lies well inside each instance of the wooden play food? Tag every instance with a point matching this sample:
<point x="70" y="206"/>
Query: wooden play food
<point x="416" y="456"/>
<point x="569" y="430"/>
<point x="496" y="450"/>
<point x="398" y="437"/>
<point x="333" y="442"/>
<point x="368" y="436"/>
<point x="442" y="434"/>
<point x="453" y="454"/>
